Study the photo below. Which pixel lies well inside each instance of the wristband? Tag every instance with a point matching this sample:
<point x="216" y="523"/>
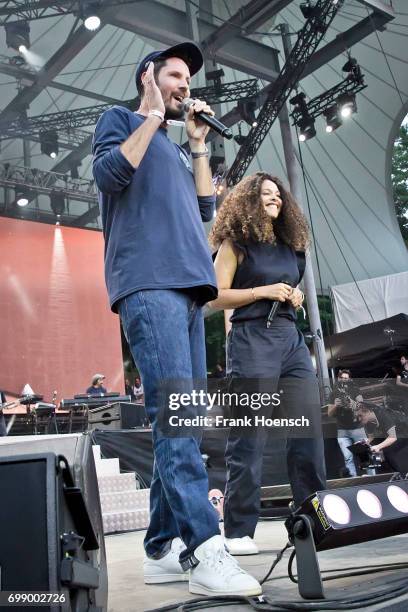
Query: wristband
<point x="200" y="154"/>
<point x="253" y="294"/>
<point x="157" y="113"/>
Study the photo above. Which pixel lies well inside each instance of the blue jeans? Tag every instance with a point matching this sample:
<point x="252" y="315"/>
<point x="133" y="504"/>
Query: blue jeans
<point x="345" y="438"/>
<point x="165" y="332"/>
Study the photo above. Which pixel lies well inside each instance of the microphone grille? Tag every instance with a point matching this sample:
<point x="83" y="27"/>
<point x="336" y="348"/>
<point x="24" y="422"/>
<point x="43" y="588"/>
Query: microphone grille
<point x="187" y="103"/>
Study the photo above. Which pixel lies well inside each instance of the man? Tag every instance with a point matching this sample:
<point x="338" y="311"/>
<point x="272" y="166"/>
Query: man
<point x="392" y="426"/>
<point x="159" y="273"/>
<point x="345" y="393"/>
<point x="138" y="391"/>
<point x="402" y="378"/>
<point x="97" y="387"/>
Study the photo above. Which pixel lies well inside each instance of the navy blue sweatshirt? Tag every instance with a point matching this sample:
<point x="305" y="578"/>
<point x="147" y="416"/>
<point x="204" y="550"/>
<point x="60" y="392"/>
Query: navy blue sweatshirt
<point x="151" y="216"/>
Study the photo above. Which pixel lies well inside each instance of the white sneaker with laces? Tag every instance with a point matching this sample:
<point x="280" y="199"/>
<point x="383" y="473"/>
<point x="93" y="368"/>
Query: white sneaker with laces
<point x="218" y="573"/>
<point x="241" y="546"/>
<point x="166" y="569"/>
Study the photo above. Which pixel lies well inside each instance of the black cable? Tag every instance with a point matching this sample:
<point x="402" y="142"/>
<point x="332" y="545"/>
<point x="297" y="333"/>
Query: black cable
<point x="336" y="241"/>
<point x="276" y="561"/>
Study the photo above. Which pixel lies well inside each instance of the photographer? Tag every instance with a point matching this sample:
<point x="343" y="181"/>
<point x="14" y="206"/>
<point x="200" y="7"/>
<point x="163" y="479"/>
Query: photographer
<point x="392" y="426"/>
<point x="342" y="400"/>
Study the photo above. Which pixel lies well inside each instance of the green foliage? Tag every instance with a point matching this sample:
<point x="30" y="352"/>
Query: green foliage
<point x="399" y="176"/>
<point x="215" y="339"/>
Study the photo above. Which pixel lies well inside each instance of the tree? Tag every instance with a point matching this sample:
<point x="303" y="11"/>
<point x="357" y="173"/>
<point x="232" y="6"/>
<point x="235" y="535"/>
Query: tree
<point x="399" y="176"/>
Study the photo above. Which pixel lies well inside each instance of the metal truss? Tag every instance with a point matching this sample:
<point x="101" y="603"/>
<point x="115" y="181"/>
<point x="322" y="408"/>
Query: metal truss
<point x="18" y="10"/>
<point x="308" y="39"/>
<point x="45" y="182"/>
<point x="68" y="122"/>
<point x="317" y="105"/>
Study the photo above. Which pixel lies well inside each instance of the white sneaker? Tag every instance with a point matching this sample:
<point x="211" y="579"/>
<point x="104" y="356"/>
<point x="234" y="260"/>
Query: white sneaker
<point x="241" y="546"/>
<point x="218" y="573"/>
<point x="166" y="569"/>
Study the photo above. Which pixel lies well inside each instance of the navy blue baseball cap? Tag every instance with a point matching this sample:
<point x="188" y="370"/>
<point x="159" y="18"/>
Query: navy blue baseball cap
<point x="188" y="52"/>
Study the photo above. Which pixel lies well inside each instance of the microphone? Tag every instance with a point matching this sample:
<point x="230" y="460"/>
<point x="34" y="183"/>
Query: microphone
<point x="214" y="124"/>
<point x="274" y="307"/>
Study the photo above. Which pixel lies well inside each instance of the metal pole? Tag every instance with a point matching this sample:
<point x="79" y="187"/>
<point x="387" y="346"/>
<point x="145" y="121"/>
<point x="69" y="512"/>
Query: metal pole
<point x="292" y="167"/>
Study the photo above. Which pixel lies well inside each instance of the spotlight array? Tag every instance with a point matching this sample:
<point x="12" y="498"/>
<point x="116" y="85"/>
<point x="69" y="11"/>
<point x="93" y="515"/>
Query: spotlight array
<point x="341" y="517"/>
<point x="336" y="104"/>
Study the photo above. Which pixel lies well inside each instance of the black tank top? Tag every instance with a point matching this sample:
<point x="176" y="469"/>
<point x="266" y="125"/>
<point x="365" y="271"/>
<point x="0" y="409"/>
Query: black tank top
<point x="266" y="264"/>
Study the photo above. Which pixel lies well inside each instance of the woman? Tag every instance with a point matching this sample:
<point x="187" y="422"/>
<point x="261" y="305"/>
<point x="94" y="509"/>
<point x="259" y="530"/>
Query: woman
<point x="261" y="236"/>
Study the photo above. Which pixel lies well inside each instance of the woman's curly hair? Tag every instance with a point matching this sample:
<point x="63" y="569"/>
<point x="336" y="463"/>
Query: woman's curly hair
<point x="242" y="218"/>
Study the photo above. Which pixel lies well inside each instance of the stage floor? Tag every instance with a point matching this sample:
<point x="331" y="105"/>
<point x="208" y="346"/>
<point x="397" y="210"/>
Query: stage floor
<point x="128" y="593"/>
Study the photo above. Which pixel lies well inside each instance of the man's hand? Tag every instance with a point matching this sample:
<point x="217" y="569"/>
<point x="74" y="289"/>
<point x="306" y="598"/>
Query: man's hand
<point x="195" y="128"/>
<point x="376" y="448"/>
<point x="152" y="94"/>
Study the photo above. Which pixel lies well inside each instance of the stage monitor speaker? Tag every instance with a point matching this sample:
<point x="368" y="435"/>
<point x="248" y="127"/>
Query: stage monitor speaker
<point x="51" y="532"/>
<point x="121" y="415"/>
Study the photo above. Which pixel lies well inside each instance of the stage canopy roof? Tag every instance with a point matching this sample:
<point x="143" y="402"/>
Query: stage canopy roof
<point x="347" y="173"/>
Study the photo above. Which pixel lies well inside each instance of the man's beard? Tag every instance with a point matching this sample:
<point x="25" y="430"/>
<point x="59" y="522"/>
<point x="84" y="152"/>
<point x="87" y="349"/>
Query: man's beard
<point x="174" y="114"/>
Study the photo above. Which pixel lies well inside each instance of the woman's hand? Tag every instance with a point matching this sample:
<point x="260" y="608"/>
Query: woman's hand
<point x="279" y="292"/>
<point x="296" y="298"/>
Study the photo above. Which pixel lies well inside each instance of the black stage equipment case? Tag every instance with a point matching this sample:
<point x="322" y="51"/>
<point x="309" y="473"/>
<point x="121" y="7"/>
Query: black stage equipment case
<point x="51" y="532"/>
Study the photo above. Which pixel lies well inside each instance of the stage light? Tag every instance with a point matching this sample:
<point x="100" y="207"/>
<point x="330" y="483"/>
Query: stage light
<point x="350" y="515"/>
<point x="398" y="498"/>
<point x="18" y="35"/>
<point x="337" y="509"/>
<point x="369" y="503"/>
<point x="23" y="196"/>
<point x="306" y="125"/>
<point x="307" y="9"/>
<point x="49" y="143"/>
<point x="89" y="14"/>
<point x="57" y="203"/>
<point x="333" y="120"/>
<point x="246" y="109"/>
<point x="299" y="102"/>
<point x="240" y="139"/>
<point x="347" y="105"/>
<point x="22" y="200"/>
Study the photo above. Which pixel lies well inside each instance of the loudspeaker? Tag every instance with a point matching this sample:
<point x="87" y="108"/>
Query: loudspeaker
<point x="121" y="415"/>
<point x="51" y="532"/>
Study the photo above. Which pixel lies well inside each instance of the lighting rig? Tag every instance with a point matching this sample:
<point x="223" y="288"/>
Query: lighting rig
<point x="307" y="42"/>
<point x="336" y="104"/>
<point x="341" y="517"/>
<point x="67" y="123"/>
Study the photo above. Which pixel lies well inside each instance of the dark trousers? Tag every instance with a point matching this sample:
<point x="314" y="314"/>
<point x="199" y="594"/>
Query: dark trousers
<point x="270" y="360"/>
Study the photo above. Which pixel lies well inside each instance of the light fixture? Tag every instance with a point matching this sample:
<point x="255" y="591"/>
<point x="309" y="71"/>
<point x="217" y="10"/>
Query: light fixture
<point x="23" y="196"/>
<point x="306" y="125"/>
<point x="307" y="9"/>
<point x="347" y="105"/>
<point x="349" y="515"/>
<point x="18" y="35"/>
<point x="240" y="139"/>
<point x="49" y="143"/>
<point x="89" y="14"/>
<point x="57" y="203"/>
<point x="333" y="119"/>
<point x="246" y="109"/>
